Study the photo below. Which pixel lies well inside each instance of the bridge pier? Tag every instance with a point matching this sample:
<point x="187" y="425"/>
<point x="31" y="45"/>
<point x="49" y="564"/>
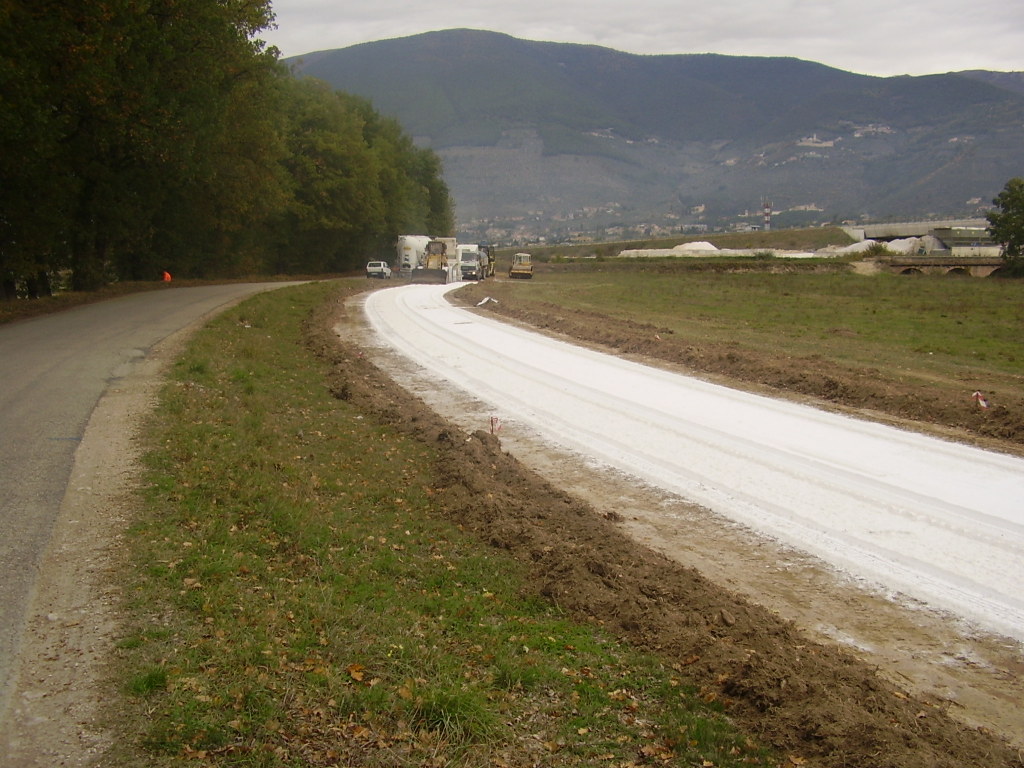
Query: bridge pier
<point x="924" y="265"/>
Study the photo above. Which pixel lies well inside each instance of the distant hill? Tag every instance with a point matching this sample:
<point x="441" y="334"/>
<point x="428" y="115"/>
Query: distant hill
<point x="555" y="137"/>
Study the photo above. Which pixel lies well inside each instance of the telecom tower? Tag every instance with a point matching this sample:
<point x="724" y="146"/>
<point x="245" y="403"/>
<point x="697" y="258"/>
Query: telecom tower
<point x="766" y="205"/>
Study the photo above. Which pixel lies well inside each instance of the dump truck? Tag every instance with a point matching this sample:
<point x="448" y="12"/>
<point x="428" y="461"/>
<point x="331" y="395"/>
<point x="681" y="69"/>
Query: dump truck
<point x="470" y="265"/>
<point x="522" y="266"/>
<point x="466" y="254"/>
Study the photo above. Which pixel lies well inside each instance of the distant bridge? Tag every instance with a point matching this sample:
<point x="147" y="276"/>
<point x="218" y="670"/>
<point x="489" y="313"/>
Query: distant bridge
<point x="935" y="264"/>
<point x="897" y="230"/>
<point x="954" y="247"/>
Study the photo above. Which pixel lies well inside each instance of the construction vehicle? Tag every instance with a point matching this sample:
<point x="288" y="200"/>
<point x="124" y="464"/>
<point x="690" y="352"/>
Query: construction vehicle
<point x="466" y="256"/>
<point x="410" y="250"/>
<point x="522" y="266"/>
<point x="439" y="262"/>
<point x="486" y="261"/>
<point x="469" y="266"/>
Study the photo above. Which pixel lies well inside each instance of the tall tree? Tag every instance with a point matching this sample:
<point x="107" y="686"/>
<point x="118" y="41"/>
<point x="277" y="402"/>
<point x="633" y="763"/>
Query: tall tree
<point x="36" y="190"/>
<point x="1006" y="224"/>
<point x="338" y="207"/>
<point x="117" y="106"/>
<point x="357" y="180"/>
<point x="415" y="195"/>
<point x="440" y="209"/>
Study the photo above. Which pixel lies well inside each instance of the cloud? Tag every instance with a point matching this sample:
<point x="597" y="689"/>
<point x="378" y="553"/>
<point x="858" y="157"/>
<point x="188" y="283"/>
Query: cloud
<point x="868" y="36"/>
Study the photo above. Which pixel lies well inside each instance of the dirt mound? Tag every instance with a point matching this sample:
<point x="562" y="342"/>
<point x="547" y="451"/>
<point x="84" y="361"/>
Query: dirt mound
<point x="808" y="700"/>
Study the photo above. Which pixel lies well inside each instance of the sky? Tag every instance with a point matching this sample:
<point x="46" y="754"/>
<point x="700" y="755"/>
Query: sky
<point x="872" y="37"/>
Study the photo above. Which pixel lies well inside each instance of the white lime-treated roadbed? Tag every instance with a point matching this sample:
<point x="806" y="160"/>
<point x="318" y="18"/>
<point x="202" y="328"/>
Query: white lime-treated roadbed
<point x="936" y="521"/>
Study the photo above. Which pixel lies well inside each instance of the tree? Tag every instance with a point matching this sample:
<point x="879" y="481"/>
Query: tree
<point x="357" y="183"/>
<point x="36" y="192"/>
<point x="144" y="135"/>
<point x="1006" y="224"/>
<point x="121" y="121"/>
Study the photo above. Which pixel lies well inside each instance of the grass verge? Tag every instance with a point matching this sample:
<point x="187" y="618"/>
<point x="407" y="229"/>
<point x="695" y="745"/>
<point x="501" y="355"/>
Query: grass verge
<point x="301" y="600"/>
<point x="939" y="324"/>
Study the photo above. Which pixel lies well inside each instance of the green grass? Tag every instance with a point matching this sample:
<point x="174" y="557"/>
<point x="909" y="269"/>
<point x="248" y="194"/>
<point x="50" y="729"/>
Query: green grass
<point x="938" y="325"/>
<point x="807" y="239"/>
<point x="298" y="599"/>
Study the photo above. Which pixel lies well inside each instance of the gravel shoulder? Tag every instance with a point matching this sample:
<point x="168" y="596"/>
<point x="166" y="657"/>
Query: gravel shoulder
<point x="59" y="710"/>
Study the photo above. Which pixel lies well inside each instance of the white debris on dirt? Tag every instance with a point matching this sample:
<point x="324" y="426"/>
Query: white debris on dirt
<point x="703" y="249"/>
<point x="700" y="245"/>
<point x="858" y="247"/>
<point x="700" y="248"/>
<point x="905" y="245"/>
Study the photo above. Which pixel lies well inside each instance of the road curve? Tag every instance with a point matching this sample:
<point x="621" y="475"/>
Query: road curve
<point x="940" y="522"/>
<point x="53" y="371"/>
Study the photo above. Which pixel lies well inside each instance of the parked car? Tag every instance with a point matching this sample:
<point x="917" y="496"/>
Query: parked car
<point x="378" y="269"/>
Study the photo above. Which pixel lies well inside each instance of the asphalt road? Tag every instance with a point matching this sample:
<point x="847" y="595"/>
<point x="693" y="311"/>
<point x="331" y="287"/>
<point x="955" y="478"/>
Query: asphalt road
<point x="53" y="371"/>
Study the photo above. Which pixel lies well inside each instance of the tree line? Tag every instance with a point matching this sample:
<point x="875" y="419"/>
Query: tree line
<point x="138" y="136"/>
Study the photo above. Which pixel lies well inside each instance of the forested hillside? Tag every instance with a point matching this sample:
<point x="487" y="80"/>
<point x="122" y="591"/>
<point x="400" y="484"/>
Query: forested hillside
<point x="551" y="139"/>
<point x="138" y="136"/>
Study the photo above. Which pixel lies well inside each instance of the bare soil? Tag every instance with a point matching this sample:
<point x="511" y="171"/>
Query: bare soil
<point x="824" y="669"/>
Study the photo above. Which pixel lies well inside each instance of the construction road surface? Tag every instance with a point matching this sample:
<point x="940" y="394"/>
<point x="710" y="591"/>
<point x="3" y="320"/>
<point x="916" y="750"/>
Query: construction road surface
<point x="939" y="522"/>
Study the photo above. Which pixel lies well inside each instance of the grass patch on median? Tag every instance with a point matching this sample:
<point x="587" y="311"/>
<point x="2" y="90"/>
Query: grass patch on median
<point x="301" y="601"/>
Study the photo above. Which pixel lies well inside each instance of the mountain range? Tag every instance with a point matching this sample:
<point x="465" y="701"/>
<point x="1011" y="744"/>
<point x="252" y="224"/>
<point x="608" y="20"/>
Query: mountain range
<point x="550" y="140"/>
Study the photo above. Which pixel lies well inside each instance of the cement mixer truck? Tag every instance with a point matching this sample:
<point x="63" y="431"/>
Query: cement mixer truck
<point x="411" y="249"/>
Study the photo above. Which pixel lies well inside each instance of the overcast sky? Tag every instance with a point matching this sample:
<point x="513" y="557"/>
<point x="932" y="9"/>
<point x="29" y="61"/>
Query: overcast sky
<point x="876" y="37"/>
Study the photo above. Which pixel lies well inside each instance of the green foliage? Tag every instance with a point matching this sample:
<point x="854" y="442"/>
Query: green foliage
<point x="138" y="136"/>
<point x="878" y="251"/>
<point x="355" y="181"/>
<point x="148" y="682"/>
<point x="1006" y="224"/>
